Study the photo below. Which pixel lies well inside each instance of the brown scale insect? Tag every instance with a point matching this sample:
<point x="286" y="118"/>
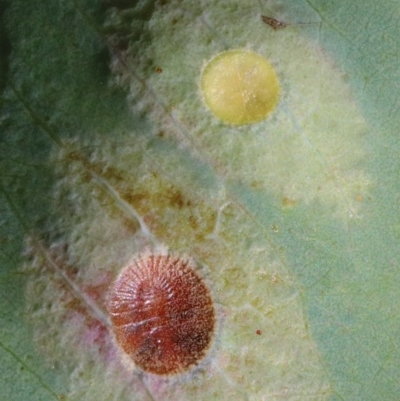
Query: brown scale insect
<point x="162" y="314"/>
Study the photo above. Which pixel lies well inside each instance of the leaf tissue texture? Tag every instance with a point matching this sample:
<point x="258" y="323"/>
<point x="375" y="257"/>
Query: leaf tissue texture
<point x="108" y="152"/>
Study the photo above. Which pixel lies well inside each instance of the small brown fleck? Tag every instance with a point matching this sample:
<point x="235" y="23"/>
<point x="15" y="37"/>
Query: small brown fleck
<point x="258" y="332"/>
<point x="176" y="199"/>
<point x="130" y="224"/>
<point x="287" y="202"/>
<point x="158" y="70"/>
<point x="257" y="184"/>
<point x="273" y="23"/>
<point x="193" y="222"/>
<point x="133" y="198"/>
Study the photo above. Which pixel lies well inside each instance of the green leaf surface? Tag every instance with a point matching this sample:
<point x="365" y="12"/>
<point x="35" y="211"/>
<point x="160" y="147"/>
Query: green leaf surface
<point x="107" y="151"/>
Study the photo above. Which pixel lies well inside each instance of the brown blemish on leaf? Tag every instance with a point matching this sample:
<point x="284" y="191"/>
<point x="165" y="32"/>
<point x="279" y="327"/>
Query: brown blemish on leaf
<point x="74" y="304"/>
<point x="287" y="202"/>
<point x="130" y="225"/>
<point x="59" y="257"/>
<point x="176" y="199"/>
<point x="133" y="198"/>
<point x="257" y="184"/>
<point x="193" y="222"/>
<point x="172" y="213"/>
<point x="274" y="23"/>
<point x="54" y="264"/>
<point x="111" y="175"/>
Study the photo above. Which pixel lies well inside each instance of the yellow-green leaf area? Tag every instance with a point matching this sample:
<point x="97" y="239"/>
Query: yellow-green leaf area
<point x="240" y="87"/>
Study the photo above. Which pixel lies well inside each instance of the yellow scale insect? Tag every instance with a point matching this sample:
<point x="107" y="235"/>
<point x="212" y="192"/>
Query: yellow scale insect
<point x="240" y="87"/>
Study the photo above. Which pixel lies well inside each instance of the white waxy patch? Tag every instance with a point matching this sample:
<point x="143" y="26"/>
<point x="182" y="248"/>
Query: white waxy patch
<point x="309" y="150"/>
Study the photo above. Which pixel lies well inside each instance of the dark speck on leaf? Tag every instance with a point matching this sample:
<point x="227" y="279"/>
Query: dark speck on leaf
<point x="273" y="23"/>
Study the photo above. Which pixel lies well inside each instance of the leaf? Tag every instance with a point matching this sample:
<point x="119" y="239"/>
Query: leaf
<point x="108" y="150"/>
